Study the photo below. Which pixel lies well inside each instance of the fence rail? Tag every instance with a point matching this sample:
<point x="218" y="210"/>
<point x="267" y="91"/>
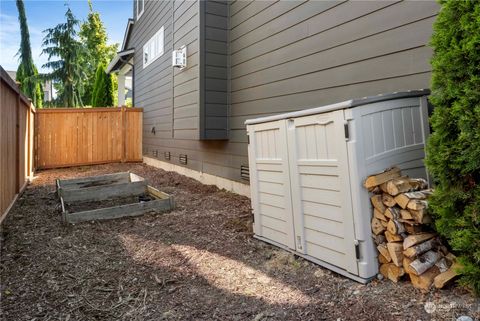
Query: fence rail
<point x="16" y="142"/>
<point x="84" y="136"/>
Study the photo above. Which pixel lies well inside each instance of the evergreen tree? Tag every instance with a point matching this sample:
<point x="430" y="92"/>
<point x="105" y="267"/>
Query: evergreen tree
<point x="453" y="151"/>
<point x="102" y="94"/>
<point x="94" y="36"/>
<point x="61" y="42"/>
<point x="27" y="73"/>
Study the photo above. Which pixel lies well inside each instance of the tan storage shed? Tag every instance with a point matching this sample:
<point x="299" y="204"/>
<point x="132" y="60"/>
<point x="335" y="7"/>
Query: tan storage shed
<point x="307" y="169"/>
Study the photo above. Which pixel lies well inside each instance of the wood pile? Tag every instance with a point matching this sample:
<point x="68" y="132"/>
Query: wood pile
<point x="406" y="244"/>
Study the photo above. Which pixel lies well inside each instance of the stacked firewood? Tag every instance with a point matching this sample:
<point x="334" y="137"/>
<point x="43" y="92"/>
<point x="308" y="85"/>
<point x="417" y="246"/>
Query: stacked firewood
<point x="401" y="229"/>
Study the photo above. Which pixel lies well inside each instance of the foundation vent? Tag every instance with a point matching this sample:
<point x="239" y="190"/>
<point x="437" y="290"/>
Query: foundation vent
<point x="183" y="159"/>
<point x="245" y="172"/>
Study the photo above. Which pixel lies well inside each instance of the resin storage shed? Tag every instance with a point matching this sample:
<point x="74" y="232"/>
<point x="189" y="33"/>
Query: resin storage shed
<point x="307" y="170"/>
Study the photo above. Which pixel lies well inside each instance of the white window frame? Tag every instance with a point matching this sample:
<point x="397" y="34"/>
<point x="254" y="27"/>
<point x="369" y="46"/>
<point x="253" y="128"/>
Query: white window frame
<point x="154" y="48"/>
<point x="139" y="14"/>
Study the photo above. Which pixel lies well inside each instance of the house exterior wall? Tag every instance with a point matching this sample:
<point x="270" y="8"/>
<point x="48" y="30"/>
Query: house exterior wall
<point x="281" y="56"/>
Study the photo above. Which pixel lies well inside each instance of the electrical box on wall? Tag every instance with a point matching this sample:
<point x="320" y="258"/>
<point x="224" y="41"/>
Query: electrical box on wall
<point x="179" y="57"/>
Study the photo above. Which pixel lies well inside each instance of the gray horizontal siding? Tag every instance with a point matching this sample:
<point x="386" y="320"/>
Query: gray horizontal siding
<point x="153" y="84"/>
<point x="186" y="81"/>
<point x="280" y="56"/>
<point x="320" y="47"/>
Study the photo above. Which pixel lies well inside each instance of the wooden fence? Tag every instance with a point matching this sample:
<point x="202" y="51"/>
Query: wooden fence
<point x="84" y="136"/>
<point x="16" y="142"/>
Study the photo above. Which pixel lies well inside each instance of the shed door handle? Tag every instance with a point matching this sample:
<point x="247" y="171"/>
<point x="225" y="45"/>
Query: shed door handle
<point x="325" y="122"/>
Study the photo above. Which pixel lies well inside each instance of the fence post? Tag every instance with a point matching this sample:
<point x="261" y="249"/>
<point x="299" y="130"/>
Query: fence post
<point x="29" y="143"/>
<point x="124" y="134"/>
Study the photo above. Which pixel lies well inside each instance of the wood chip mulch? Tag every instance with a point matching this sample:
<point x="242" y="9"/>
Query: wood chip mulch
<point x="198" y="262"/>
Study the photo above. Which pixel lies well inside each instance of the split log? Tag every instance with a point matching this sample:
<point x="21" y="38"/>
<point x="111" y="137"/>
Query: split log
<point x="388" y="200"/>
<point x="444" y="278"/>
<point x="425" y="262"/>
<point x="420" y="248"/>
<point x="393" y="237"/>
<point x="377" y="203"/>
<point x="377" y="226"/>
<point x="421" y="216"/>
<point x="424" y="281"/>
<point x="384" y="223"/>
<point x="404" y="198"/>
<point x="395" y="227"/>
<point x="396" y="253"/>
<point x="417" y="205"/>
<point x="379" y="239"/>
<point x="406" y="215"/>
<point x="412" y="240"/>
<point x="442" y="264"/>
<point x="413" y="228"/>
<point x="382" y="259"/>
<point x="398" y="185"/>
<point x="406" y="265"/>
<point x="377" y="179"/>
<point x="392" y="213"/>
<point x="407" y="222"/>
<point x="418" y="183"/>
<point x="382" y="248"/>
<point x="379" y="215"/>
<point x="392" y="272"/>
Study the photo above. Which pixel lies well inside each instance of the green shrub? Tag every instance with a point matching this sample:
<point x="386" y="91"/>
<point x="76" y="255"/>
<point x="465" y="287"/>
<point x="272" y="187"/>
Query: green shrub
<point x="453" y="149"/>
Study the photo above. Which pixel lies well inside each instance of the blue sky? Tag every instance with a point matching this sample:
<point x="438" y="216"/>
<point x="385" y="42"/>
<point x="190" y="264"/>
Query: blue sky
<point x="46" y="14"/>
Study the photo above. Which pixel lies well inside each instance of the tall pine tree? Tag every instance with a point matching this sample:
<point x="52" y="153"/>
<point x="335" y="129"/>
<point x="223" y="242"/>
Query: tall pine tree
<point x="27" y="73"/>
<point x="61" y="42"/>
<point x="453" y="151"/>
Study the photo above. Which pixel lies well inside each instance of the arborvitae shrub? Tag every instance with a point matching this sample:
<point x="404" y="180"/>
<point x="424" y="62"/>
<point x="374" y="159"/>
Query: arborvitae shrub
<point x="103" y="91"/>
<point x="100" y="87"/>
<point x="453" y="150"/>
<point x="109" y="90"/>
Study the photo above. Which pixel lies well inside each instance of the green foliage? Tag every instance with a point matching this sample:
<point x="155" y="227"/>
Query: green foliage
<point x="102" y="94"/>
<point x="94" y="36"/>
<point x="38" y="91"/>
<point x="61" y="42"/>
<point x="453" y="150"/>
<point x="27" y="73"/>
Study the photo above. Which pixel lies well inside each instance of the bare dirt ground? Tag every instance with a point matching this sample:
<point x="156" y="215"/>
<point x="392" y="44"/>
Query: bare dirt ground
<point x="198" y="262"/>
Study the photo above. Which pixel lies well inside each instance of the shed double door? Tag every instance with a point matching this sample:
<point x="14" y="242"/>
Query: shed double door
<point x="301" y="187"/>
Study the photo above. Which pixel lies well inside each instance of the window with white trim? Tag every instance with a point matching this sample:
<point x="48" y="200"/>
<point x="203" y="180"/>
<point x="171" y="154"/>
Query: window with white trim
<point x="153" y="48"/>
<point x="140" y="7"/>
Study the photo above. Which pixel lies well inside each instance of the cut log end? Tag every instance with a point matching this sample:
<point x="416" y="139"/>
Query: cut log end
<point x="377" y="179"/>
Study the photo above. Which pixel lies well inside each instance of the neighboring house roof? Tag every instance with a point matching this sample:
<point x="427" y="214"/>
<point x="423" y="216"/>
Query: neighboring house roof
<point x="12" y="74"/>
<point x="47" y="85"/>
<point x="120" y="60"/>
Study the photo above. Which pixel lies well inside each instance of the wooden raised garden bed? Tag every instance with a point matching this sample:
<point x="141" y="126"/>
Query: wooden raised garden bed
<point x="108" y="197"/>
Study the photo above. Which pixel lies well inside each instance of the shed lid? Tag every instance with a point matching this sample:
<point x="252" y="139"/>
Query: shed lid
<point x="341" y="105"/>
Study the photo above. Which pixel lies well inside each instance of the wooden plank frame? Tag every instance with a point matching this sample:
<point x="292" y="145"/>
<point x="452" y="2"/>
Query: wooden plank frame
<point x="107" y="179"/>
<point x="111" y="185"/>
